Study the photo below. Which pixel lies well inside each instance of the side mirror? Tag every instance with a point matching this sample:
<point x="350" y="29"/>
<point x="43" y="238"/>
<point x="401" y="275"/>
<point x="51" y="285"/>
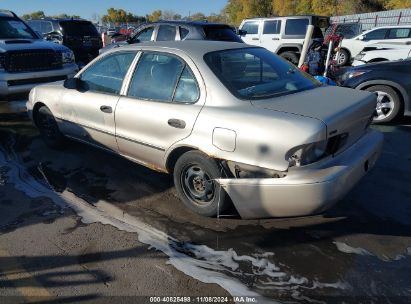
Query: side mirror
<point x="242" y="33"/>
<point x="74" y="84"/>
<point x="362" y="37"/>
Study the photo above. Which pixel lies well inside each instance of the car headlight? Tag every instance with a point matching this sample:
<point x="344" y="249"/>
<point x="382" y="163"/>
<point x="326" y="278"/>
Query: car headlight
<point x="353" y="74"/>
<point x="68" y="56"/>
<point x="359" y="56"/>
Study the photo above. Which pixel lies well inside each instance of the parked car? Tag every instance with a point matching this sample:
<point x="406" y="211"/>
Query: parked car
<point x="390" y="80"/>
<point x="383" y="52"/>
<point x="81" y="36"/>
<point x="282" y="35"/>
<point x="385" y="34"/>
<point x="27" y="60"/>
<point x="179" y="30"/>
<point x="226" y="119"/>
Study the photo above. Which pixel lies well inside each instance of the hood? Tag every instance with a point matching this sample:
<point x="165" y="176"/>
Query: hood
<point x="342" y="110"/>
<point x="29" y="44"/>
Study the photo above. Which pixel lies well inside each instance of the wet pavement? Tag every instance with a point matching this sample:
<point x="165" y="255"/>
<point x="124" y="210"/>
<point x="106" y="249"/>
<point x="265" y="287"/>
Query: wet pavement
<point x="357" y="252"/>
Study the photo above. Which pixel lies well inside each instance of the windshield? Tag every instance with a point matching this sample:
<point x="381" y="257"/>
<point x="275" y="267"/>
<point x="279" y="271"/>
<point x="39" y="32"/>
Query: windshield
<point x="255" y="73"/>
<point x="79" y="28"/>
<point x="14" y="28"/>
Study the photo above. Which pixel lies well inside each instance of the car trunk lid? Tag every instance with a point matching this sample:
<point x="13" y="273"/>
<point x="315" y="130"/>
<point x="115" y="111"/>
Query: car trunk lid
<point x="342" y="110"/>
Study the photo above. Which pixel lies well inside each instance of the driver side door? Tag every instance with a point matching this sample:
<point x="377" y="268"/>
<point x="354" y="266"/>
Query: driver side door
<point x="88" y="113"/>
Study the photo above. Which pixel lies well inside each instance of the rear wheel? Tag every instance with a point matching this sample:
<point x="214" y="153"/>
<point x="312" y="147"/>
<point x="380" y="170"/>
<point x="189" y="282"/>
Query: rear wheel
<point x="291" y="57"/>
<point x="194" y="178"/>
<point x="388" y="103"/>
<point x="48" y="128"/>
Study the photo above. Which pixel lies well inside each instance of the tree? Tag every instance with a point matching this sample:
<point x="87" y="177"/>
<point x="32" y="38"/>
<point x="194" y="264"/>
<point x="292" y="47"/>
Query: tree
<point x="397" y="4"/>
<point x="34" y="15"/>
<point x="198" y="17"/>
<point x="155" y="16"/>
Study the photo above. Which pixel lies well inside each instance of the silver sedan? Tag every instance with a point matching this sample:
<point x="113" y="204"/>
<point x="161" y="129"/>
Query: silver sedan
<point x="231" y="122"/>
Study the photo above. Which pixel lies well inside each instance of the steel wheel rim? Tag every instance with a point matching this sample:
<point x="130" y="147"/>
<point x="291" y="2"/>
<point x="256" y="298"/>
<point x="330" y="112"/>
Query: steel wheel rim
<point x="47" y="126"/>
<point x="385" y="105"/>
<point x="197" y="185"/>
<point x="341" y="58"/>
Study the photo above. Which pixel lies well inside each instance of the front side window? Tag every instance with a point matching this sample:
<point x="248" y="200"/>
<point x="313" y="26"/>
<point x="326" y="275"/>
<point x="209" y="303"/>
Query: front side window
<point x="399" y="33"/>
<point x="376" y="35"/>
<point x="145" y="35"/>
<point x="166" y="33"/>
<point x="272" y="27"/>
<point x="107" y="74"/>
<point x="255" y="73"/>
<point x="163" y="77"/>
<point x="296" y="26"/>
<point x="250" y="27"/>
<point x="14" y="28"/>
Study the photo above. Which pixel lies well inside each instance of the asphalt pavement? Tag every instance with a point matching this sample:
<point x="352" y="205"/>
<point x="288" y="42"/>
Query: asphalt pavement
<point x="82" y="225"/>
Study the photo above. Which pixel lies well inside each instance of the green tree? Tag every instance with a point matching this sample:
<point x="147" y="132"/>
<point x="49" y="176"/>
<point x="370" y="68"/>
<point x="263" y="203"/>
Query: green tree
<point x="34" y="15"/>
<point x="155" y="16"/>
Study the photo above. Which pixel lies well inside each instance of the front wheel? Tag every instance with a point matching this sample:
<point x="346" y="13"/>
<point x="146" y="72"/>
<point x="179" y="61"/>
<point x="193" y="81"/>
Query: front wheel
<point x="343" y="58"/>
<point x="194" y="177"/>
<point x="388" y="103"/>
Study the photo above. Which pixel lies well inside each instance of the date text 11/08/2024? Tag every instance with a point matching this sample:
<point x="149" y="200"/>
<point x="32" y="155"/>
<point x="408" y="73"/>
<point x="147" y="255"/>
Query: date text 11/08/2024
<point x="237" y="299"/>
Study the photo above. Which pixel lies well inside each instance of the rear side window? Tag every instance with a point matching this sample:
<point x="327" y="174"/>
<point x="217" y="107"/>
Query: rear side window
<point x="78" y="28"/>
<point x="220" y="33"/>
<point x="296" y="26"/>
<point x="272" y="27"/>
<point x="166" y="33"/>
<point x="250" y="27"/>
<point x="399" y="33"/>
<point x="107" y="74"/>
<point x="163" y="77"/>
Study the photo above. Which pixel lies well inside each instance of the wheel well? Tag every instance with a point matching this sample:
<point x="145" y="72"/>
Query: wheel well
<point x="347" y="50"/>
<point x="174" y="156"/>
<point x="402" y="99"/>
<point x="36" y="108"/>
<point x="288" y="49"/>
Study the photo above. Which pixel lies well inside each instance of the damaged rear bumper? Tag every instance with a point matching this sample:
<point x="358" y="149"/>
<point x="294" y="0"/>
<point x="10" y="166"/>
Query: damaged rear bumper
<point x="306" y="190"/>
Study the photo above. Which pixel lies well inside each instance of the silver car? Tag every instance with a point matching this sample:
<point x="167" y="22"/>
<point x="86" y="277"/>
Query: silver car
<point x="231" y="122"/>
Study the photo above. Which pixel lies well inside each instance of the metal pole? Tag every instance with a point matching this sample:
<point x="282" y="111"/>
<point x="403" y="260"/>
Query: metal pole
<point x="327" y="62"/>
<point x="307" y="42"/>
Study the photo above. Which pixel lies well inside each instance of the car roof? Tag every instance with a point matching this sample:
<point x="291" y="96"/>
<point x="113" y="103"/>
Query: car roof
<point x="279" y="17"/>
<point x="195" y="48"/>
<point x="59" y="20"/>
<point x="185" y="22"/>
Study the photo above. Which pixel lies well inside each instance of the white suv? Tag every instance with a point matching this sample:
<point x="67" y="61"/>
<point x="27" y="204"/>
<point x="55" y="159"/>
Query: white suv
<point x="281" y="35"/>
<point x="386" y="34"/>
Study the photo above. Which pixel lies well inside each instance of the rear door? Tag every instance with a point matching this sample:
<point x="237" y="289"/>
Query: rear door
<point x="88" y="114"/>
<point x="271" y="34"/>
<point x="159" y="108"/>
<point x="252" y="28"/>
<point x="398" y="35"/>
<point x="166" y="32"/>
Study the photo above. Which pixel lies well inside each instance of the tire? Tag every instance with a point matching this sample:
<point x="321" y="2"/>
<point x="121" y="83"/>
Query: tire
<point x="389" y="106"/>
<point x="193" y="174"/>
<point x="49" y="131"/>
<point x="343" y="58"/>
<point x="291" y="57"/>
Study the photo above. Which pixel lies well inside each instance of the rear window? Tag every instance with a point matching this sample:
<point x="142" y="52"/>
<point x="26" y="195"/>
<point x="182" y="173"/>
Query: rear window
<point x="78" y="28"/>
<point x="256" y="73"/>
<point x="221" y="33"/>
<point x="296" y="26"/>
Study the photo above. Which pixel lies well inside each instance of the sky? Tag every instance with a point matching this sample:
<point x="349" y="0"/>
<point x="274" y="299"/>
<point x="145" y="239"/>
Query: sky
<point x="86" y="8"/>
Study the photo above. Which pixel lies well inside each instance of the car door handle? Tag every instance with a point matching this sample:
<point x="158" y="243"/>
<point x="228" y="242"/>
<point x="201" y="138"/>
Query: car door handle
<point x="254" y="39"/>
<point x="177" y="123"/>
<point x="106" y="109"/>
<point x="275" y="38"/>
